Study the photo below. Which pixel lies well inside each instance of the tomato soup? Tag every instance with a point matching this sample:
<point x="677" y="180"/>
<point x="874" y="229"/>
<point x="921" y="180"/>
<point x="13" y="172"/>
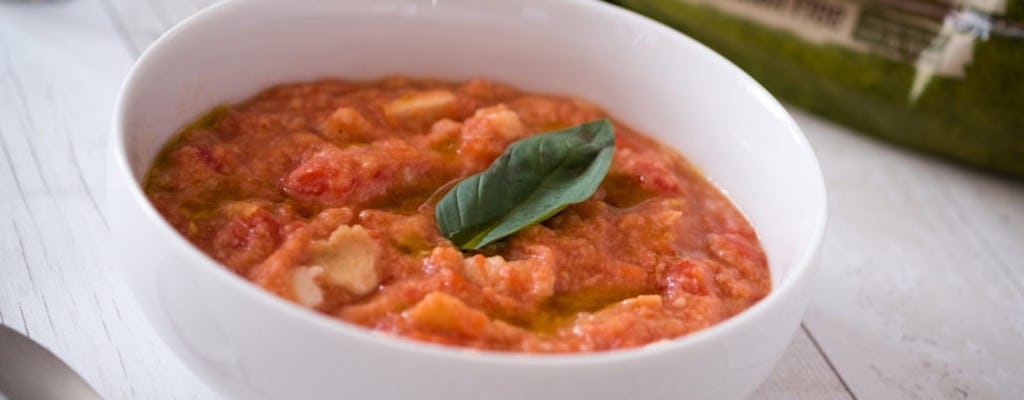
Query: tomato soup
<point x="323" y="194"/>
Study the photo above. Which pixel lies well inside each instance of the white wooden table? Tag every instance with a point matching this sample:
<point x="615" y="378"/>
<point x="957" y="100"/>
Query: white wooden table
<point x="920" y="295"/>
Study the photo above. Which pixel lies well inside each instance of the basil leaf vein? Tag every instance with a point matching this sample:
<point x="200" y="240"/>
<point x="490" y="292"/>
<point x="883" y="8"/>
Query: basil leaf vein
<point x="532" y="181"/>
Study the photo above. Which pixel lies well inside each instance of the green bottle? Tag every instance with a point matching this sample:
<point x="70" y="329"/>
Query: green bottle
<point x="943" y="76"/>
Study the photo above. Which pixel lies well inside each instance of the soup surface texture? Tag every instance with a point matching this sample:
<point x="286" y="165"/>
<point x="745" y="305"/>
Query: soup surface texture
<point x="323" y="193"/>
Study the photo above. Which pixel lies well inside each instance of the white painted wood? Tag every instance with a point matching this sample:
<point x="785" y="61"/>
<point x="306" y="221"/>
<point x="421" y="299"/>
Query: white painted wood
<point x="803" y="374"/>
<point x="142" y="22"/>
<point x="921" y="293"/>
<point x="60" y="66"/>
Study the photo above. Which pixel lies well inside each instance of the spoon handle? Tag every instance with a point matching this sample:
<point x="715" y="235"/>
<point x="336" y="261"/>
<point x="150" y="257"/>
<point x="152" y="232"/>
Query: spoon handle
<point x="30" y="371"/>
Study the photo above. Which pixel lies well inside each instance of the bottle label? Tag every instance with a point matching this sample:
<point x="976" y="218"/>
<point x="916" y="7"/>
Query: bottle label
<point x="993" y="7"/>
<point x="937" y="37"/>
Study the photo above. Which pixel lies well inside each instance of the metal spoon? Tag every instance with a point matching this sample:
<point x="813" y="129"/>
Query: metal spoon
<point x="29" y="371"/>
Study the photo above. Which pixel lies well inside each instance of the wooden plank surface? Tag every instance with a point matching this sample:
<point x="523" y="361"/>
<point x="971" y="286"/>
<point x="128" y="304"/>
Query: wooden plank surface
<point x="61" y="64"/>
<point x="921" y="293"/>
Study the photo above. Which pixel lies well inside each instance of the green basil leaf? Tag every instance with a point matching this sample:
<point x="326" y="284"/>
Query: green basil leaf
<point x="532" y="181"/>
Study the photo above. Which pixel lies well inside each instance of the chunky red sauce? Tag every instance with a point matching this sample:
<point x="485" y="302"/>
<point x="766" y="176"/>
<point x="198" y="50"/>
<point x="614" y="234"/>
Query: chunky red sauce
<point x="323" y="194"/>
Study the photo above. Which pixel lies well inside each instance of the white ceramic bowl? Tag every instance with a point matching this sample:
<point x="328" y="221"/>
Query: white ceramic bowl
<point x="249" y="344"/>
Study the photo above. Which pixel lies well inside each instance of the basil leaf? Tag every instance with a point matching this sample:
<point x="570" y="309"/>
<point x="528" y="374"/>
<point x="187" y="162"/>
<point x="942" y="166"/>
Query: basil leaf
<point x="533" y="180"/>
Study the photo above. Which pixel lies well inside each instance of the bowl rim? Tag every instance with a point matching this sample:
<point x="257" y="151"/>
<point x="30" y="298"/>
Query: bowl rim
<point x="799" y="271"/>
